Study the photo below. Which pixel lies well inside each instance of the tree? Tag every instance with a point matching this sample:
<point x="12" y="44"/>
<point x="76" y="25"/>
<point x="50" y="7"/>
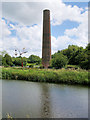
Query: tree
<point x="34" y="59"/>
<point x="70" y="51"/>
<point x="17" y="61"/>
<point x="59" y="61"/>
<point x="77" y="56"/>
<point x="7" y="60"/>
<point x="85" y="63"/>
<point x="1" y="60"/>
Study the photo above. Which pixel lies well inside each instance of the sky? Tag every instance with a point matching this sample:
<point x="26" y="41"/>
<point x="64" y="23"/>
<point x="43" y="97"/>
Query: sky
<point x="22" y="25"/>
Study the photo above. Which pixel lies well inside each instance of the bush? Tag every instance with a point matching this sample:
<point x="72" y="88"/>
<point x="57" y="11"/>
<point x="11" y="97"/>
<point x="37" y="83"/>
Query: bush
<point x="85" y="64"/>
<point x="59" y="61"/>
<point x="47" y="75"/>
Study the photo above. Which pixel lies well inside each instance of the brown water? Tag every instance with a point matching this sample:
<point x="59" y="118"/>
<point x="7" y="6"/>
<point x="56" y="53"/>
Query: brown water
<point x="22" y="99"/>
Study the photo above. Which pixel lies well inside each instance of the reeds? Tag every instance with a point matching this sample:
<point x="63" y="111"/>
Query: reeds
<point x="47" y="75"/>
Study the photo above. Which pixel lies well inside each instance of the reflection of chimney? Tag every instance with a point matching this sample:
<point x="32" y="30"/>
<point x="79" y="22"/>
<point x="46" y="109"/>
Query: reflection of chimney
<point x="46" y="103"/>
<point x="46" y="45"/>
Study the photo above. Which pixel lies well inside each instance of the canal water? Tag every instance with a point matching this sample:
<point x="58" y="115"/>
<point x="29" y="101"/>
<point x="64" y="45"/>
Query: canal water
<point x="22" y="99"/>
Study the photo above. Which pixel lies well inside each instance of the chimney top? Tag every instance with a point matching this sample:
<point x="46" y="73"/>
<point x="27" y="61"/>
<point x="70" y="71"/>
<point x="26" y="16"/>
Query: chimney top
<point x="46" y="10"/>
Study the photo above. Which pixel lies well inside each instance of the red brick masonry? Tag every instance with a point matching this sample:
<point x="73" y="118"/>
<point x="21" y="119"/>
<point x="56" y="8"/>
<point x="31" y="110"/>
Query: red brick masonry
<point x="46" y="45"/>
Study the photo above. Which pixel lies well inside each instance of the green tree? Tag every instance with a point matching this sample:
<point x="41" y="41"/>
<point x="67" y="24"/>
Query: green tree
<point x="59" y="61"/>
<point x="70" y="51"/>
<point x="17" y="61"/>
<point x="85" y="63"/>
<point x="7" y="60"/>
<point x="24" y="59"/>
<point x="34" y="59"/>
<point x="77" y="56"/>
<point x="1" y="60"/>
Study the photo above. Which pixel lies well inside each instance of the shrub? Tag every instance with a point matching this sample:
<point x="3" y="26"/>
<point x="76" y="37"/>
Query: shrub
<point x="59" y="61"/>
<point x="47" y="75"/>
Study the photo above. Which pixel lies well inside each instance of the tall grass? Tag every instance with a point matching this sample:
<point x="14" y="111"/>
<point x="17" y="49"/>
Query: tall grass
<point x="47" y="75"/>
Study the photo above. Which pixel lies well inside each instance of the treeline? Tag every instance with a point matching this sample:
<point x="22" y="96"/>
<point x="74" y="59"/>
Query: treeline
<point x="7" y="60"/>
<point x="73" y="55"/>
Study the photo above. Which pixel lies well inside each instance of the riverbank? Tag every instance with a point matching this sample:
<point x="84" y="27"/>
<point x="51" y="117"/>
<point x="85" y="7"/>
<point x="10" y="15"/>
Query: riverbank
<point x="47" y="75"/>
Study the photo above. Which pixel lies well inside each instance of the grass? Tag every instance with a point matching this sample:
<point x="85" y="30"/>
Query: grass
<point x="47" y="75"/>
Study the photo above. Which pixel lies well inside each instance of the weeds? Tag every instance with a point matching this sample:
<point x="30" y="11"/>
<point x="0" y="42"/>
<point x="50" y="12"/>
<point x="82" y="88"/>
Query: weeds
<point x="47" y="75"/>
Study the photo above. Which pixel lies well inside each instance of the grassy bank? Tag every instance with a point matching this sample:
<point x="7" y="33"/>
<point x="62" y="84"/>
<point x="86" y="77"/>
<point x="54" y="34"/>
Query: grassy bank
<point x="47" y="75"/>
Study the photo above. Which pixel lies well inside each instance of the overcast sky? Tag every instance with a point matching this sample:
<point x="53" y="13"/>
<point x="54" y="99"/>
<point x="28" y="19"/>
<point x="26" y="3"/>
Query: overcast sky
<point x="22" y="25"/>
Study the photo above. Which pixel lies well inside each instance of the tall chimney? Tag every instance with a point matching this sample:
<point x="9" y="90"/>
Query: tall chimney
<point x="46" y="45"/>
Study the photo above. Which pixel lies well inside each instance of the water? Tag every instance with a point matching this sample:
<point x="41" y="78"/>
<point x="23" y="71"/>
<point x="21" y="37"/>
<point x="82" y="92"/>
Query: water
<point x="22" y="99"/>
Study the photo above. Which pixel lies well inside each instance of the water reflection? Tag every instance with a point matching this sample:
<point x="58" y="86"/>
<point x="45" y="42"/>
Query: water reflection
<point x="46" y="110"/>
<point x="22" y="99"/>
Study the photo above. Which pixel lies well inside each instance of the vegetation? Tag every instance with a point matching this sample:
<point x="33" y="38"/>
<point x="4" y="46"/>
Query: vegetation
<point x="59" y="61"/>
<point x="70" y="66"/>
<point x="76" y="56"/>
<point x="6" y="60"/>
<point x="0" y="60"/>
<point x="34" y="59"/>
<point x="78" y="76"/>
<point x="73" y="55"/>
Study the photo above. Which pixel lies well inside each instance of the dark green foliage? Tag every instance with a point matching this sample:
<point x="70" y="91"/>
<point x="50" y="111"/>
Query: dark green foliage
<point x="17" y="62"/>
<point x="77" y="55"/>
<point x="1" y="60"/>
<point x="24" y="59"/>
<point x="85" y="64"/>
<point x="34" y="59"/>
<point x="70" y="51"/>
<point x="7" y="60"/>
<point x="59" y="61"/>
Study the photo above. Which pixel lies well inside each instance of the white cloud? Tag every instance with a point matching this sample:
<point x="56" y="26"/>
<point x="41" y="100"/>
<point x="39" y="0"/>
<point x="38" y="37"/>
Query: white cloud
<point x="31" y="37"/>
<point x="6" y="31"/>
<point x="81" y="32"/>
<point x="60" y="43"/>
<point x="25" y="13"/>
<point x="30" y="13"/>
<point x="28" y="37"/>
